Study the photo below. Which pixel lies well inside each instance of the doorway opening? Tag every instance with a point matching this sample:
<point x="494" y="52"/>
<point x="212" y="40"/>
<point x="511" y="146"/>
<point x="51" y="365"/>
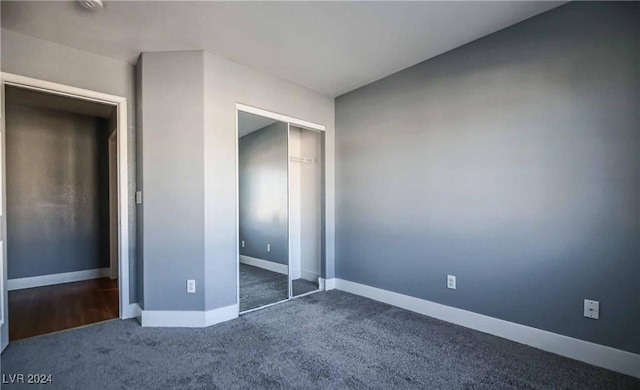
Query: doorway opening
<point x="262" y="209"/>
<point x="64" y="208"/>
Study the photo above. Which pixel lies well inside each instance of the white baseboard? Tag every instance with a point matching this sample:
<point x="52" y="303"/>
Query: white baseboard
<point x="188" y="319"/>
<point x="588" y="352"/>
<point x="215" y="316"/>
<point x="48" y="280"/>
<point x="265" y="264"/>
<point x="131" y="311"/>
<point x="327" y="284"/>
<point x="295" y="274"/>
<point x="309" y="275"/>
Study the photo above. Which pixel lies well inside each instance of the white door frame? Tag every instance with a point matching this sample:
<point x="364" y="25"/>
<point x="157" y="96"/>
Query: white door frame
<point x="281" y="118"/>
<point x="113" y="205"/>
<point x="126" y="310"/>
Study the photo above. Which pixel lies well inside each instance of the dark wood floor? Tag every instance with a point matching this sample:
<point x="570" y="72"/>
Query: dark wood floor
<point x="47" y="309"/>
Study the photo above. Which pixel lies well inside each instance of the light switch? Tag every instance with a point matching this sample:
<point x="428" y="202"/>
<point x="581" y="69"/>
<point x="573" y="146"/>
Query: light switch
<point x="451" y="282"/>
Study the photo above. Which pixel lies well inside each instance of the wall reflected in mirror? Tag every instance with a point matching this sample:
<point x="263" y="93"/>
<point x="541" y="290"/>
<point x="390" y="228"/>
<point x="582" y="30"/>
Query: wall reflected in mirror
<point x="305" y="209"/>
<point x="263" y="211"/>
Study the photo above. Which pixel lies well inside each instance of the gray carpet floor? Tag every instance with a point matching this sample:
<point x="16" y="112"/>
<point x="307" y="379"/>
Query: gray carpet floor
<point x="259" y="287"/>
<point x="302" y="286"/>
<point x="328" y="340"/>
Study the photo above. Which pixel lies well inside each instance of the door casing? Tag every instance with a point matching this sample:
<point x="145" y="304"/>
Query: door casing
<point x="126" y="309"/>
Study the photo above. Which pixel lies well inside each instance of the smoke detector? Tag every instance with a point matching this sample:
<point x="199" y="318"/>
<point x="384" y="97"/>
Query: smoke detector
<point x="91" y="5"/>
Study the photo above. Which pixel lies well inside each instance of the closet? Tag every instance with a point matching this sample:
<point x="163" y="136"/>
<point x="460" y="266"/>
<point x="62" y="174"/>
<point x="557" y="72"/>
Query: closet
<point x="305" y="209"/>
<point x="280" y="209"/>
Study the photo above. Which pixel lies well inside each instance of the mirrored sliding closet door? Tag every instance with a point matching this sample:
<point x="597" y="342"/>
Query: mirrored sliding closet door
<point x="263" y="211"/>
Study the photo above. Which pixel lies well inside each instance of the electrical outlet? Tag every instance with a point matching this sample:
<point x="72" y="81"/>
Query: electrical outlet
<point x="268" y="247"/>
<point x="191" y="286"/>
<point x="591" y="309"/>
<point x="451" y="282"/>
<point x="138" y="197"/>
<point x="243" y="243"/>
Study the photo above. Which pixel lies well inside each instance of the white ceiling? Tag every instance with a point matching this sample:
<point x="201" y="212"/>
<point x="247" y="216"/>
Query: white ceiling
<point x="329" y="47"/>
<point x="248" y="123"/>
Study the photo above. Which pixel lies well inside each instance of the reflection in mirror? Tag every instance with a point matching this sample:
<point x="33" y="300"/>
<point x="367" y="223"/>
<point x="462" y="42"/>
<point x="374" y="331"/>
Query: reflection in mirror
<point x="263" y="214"/>
<point x="305" y="209"/>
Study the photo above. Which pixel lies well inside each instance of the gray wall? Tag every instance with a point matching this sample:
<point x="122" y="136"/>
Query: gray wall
<point x="32" y="57"/>
<point x="172" y="113"/>
<point x="512" y="163"/>
<point x="263" y="193"/>
<point x="57" y="186"/>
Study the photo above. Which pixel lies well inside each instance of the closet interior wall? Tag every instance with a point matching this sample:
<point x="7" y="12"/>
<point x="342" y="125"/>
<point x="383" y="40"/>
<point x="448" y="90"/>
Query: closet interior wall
<point x="305" y="162"/>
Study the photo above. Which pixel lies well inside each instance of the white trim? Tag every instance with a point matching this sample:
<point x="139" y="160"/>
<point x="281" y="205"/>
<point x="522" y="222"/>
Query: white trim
<point x="327" y="284"/>
<point x="237" y="179"/>
<point x="188" y="319"/>
<point x="178" y="319"/>
<point x="279" y="117"/>
<point x="123" y="205"/>
<point x="216" y="316"/>
<point x="123" y="175"/>
<point x="131" y="311"/>
<point x="113" y="205"/>
<point x="588" y="352"/>
<point x="60" y="89"/>
<point x="311" y="276"/>
<point x="264" y="264"/>
<point x="49" y="280"/>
